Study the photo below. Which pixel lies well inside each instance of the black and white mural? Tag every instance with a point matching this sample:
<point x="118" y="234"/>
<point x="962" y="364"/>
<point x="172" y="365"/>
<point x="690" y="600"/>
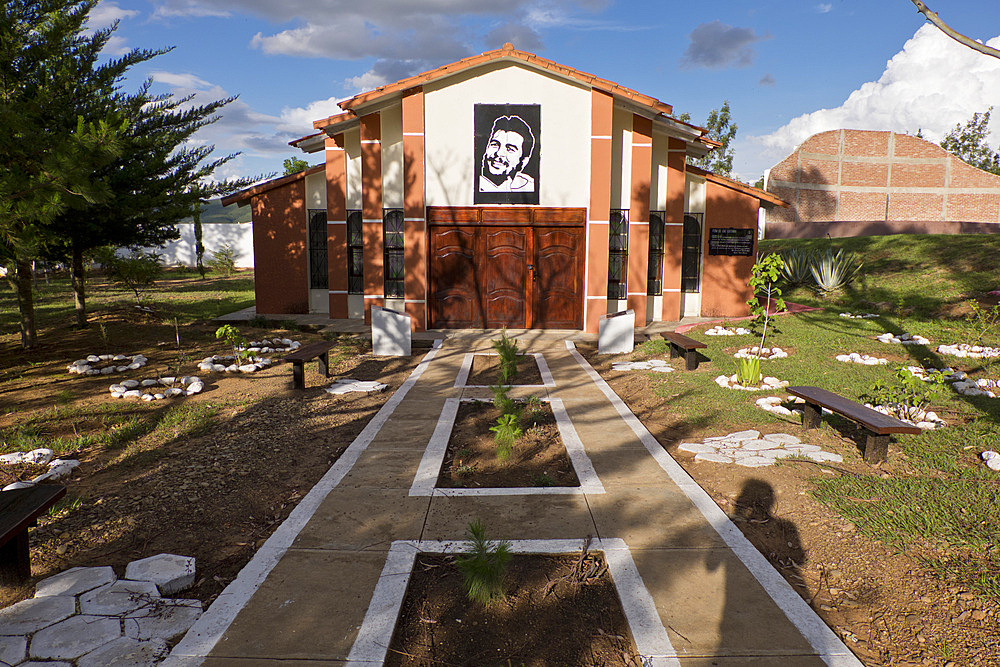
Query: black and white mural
<point x="507" y="152"/>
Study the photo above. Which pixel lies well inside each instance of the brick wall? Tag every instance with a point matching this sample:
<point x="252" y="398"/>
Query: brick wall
<point x="871" y="176"/>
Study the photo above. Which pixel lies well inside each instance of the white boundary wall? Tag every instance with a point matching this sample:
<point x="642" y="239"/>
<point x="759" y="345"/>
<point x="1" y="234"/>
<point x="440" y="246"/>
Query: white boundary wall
<point x="213" y="236"/>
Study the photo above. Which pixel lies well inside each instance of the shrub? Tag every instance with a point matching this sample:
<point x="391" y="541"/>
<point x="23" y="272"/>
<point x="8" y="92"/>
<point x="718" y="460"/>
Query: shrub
<point x="506" y="348"/>
<point x="223" y="260"/>
<point x="234" y="338"/>
<point x="136" y="272"/>
<point x="763" y="277"/>
<point x="982" y="323"/>
<point x="833" y="270"/>
<point x="484" y="566"/>
<point x="908" y="390"/>
<point x="748" y="371"/>
<point x="797" y="269"/>
<point x="505" y="433"/>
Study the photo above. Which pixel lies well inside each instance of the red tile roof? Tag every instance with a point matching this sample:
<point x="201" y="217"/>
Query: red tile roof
<point x="243" y="196"/>
<point x="737" y="185"/>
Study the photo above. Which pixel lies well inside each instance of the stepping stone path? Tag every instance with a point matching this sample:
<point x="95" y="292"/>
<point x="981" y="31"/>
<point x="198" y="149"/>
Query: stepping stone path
<point x="222" y="363"/>
<point x="158" y="389"/>
<point x="902" y="339"/>
<point x="767" y="384"/>
<point x="88" y="617"/>
<point x="722" y="331"/>
<point x="865" y="316"/>
<point x="347" y="385"/>
<point x="752" y="450"/>
<point x="655" y="365"/>
<point x="855" y="358"/>
<point x="765" y="353"/>
<point x="58" y="468"/>
<point x="106" y="364"/>
<point x="970" y="351"/>
<point x="926" y="420"/>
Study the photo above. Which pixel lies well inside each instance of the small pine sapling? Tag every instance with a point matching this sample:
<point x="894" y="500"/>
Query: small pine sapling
<point x="506" y="348"/>
<point x="505" y="434"/>
<point x="484" y="566"/>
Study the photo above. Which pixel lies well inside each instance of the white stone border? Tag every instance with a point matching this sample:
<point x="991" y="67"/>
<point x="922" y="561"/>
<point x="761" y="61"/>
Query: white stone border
<point x="463" y="373"/>
<point x="424" y="482"/>
<point x="829" y="647"/>
<point x="209" y="629"/>
<point x="651" y="639"/>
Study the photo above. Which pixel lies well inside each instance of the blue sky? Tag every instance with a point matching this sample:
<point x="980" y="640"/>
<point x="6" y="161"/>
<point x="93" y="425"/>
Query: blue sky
<point x="789" y="68"/>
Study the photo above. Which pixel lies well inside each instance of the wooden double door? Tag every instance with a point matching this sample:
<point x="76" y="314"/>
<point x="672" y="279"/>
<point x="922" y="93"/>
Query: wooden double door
<point x="523" y="276"/>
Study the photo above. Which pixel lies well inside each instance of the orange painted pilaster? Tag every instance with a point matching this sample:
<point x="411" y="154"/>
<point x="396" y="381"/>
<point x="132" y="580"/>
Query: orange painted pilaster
<point x="674" y="230"/>
<point x="638" y="229"/>
<point x="599" y="213"/>
<point x="371" y="209"/>
<point x="336" y="225"/>
<point x="414" y="217"/>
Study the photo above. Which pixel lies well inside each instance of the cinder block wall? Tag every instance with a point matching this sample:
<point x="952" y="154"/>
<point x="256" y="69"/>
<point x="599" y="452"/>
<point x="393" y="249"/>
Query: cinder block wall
<point x="868" y="176"/>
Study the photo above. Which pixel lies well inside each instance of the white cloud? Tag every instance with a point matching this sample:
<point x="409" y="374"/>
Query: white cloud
<point x="103" y="16"/>
<point x="298" y="120"/>
<point x="824" y="7"/>
<point x="932" y="84"/>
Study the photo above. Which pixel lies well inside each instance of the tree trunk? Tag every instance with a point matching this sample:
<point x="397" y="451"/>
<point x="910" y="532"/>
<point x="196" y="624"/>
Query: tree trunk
<point x="79" y="286"/>
<point x="25" y="303"/>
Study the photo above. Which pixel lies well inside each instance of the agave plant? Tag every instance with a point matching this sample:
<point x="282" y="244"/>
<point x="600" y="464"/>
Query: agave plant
<point x="798" y="263"/>
<point x="833" y="270"/>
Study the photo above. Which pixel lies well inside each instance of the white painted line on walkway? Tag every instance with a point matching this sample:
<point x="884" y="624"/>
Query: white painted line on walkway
<point x="466" y="369"/>
<point x="425" y="481"/>
<point x="829" y="647"/>
<point x="651" y="639"/>
<point x="208" y="630"/>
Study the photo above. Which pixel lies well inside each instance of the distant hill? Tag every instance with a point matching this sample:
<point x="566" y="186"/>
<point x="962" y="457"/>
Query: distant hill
<point x="214" y="212"/>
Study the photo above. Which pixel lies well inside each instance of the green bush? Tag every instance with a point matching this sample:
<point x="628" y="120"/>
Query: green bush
<point x="223" y="260"/>
<point x="137" y="272"/>
<point x="484" y="566"/>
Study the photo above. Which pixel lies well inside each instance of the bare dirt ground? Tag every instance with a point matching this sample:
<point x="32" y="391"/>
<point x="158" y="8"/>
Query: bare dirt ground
<point x="887" y="608"/>
<point x="215" y="494"/>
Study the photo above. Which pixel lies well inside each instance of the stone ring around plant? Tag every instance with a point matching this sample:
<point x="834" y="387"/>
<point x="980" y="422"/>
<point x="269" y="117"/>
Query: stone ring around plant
<point x="158" y="389"/>
<point x="117" y="363"/>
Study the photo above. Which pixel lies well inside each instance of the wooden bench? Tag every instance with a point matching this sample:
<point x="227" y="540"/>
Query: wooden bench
<point x="877" y="425"/>
<point x="18" y="510"/>
<point x="298" y="359"/>
<point x="689" y="346"/>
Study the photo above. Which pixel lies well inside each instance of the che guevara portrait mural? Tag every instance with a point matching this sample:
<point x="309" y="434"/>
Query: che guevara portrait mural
<point x="507" y="149"/>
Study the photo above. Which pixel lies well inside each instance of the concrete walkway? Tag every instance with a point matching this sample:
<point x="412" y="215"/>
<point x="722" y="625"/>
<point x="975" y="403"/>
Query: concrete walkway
<point x="326" y="587"/>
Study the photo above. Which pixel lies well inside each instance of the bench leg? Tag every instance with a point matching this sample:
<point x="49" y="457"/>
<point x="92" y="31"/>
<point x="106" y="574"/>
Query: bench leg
<point x="674" y="351"/>
<point x="876" y="448"/>
<point x="298" y="375"/>
<point x="324" y="364"/>
<point x="811" y="415"/>
<point x="15" y="562"/>
<point x="691" y="356"/>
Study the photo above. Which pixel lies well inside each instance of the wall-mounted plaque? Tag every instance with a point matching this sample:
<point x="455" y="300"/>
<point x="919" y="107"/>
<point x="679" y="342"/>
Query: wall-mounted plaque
<point x="507" y="149"/>
<point x="730" y="241"/>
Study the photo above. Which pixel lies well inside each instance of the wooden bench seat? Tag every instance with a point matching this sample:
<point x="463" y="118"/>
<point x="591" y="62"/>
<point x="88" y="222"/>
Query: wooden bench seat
<point x="298" y="358"/>
<point x="681" y="344"/>
<point x="877" y="425"/>
<point x="19" y="508"/>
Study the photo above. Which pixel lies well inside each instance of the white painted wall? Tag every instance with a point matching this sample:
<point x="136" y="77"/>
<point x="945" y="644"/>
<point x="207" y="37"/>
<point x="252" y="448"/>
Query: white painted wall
<point x="392" y="157"/>
<point x="316" y="191"/>
<point x="352" y="145"/>
<point x="213" y="236"/>
<point x="449" y="134"/>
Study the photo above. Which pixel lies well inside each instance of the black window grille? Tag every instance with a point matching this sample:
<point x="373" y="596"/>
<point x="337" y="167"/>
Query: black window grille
<point x="691" y="252"/>
<point x="392" y="243"/>
<point x="318" y="269"/>
<point x="618" y="254"/>
<point x="355" y="254"/>
<point x="654" y="276"/>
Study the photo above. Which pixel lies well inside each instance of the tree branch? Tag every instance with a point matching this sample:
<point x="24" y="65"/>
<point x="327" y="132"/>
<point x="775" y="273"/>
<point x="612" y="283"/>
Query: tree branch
<point x="948" y="30"/>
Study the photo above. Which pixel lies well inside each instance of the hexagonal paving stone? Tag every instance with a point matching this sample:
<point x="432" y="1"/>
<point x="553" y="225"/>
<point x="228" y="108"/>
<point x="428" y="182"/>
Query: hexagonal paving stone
<point x="47" y="663"/>
<point x="126" y="651"/>
<point x="13" y="650"/>
<point x="119" y="598"/>
<point x="165" y="619"/>
<point x="35" y="613"/>
<point x="75" y="581"/>
<point x="171" y="573"/>
<point x="69" y="639"/>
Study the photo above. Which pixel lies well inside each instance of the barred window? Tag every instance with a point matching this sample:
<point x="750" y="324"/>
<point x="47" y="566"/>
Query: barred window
<point x="355" y="254"/>
<point x="691" y="252"/>
<point x="392" y="243"/>
<point x="618" y="254"/>
<point x="318" y="269"/>
<point x="654" y="276"/>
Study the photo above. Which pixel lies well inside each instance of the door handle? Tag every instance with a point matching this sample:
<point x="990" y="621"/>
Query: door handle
<point x="531" y="267"/>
